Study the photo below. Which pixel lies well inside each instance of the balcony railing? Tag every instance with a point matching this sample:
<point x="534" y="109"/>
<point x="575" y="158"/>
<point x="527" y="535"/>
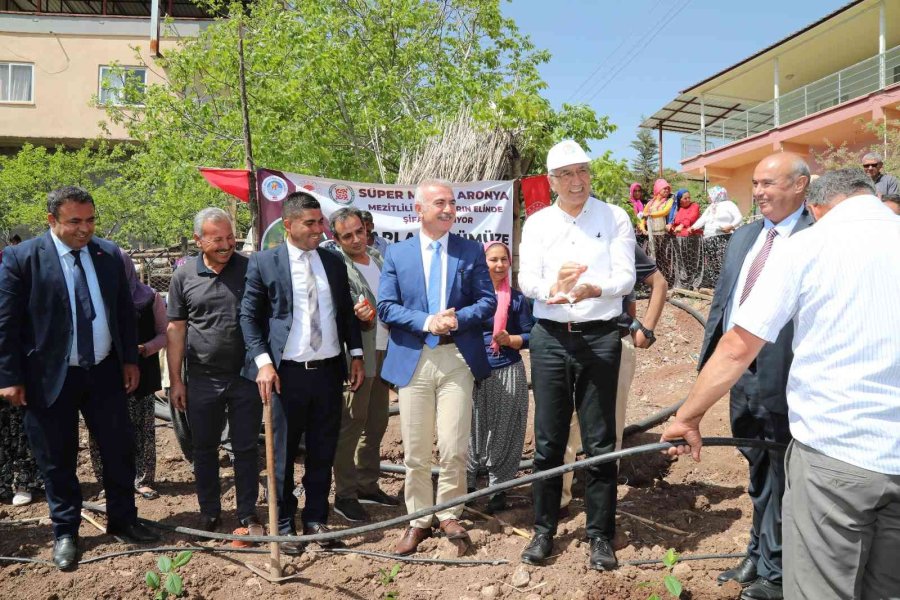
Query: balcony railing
<point x="852" y="82"/>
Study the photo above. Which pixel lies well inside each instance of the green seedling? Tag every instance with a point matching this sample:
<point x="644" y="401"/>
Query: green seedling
<point x="168" y="582"/>
<point x="670" y="582"/>
<point x="386" y="578"/>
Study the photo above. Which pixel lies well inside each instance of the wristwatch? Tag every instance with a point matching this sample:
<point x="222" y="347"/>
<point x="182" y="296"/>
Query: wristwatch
<point x="648" y="333"/>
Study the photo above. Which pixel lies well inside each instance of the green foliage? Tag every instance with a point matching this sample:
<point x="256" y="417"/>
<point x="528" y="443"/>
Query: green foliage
<point x="645" y="166"/>
<point x="386" y="578"/>
<point x="671" y="583"/>
<point x="171" y="583"/>
<point x="841" y="157"/>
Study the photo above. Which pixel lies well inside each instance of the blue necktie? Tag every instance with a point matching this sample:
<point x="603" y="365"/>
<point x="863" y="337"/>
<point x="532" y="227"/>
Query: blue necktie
<point x="84" y="314"/>
<point x="434" y="289"/>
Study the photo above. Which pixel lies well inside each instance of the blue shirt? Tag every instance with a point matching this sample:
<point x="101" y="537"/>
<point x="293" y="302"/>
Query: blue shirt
<point x="102" y="337"/>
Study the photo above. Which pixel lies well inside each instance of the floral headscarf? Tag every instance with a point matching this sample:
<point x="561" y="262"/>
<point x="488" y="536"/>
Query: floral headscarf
<point x="717" y="194"/>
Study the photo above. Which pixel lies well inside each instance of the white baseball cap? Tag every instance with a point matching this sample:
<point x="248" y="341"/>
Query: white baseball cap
<point x="567" y="152"/>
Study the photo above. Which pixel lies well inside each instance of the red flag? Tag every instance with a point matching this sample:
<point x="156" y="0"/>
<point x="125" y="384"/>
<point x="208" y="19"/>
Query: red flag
<point x="232" y="181"/>
<point x="536" y="190"/>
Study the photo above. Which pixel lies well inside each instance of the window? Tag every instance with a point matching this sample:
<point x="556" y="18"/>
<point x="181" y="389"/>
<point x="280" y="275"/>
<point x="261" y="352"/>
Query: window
<point x="113" y="88"/>
<point x="16" y="82"/>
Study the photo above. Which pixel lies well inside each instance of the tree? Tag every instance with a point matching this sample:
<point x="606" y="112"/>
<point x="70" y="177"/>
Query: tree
<point x="337" y="88"/>
<point x="645" y="165"/>
<point x="841" y="157"/>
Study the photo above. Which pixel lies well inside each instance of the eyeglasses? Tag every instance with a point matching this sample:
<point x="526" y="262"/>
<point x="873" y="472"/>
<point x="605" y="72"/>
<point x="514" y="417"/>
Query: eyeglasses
<point x="870" y="166"/>
<point x="568" y="175"/>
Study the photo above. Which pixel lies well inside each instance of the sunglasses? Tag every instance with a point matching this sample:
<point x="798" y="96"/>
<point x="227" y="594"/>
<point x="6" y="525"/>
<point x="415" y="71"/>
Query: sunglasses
<point x="871" y="166"/>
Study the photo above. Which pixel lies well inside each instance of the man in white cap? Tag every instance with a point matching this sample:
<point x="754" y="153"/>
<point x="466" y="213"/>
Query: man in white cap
<point x="577" y="262"/>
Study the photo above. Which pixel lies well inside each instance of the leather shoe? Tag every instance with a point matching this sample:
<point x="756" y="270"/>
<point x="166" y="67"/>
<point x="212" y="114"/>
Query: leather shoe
<point x="538" y="549"/>
<point x="351" y="509"/>
<point x="292" y="548"/>
<point x="744" y="573"/>
<point x="253" y="525"/>
<point x="412" y="537"/>
<point x="378" y="497"/>
<point x="763" y="589"/>
<point x="496" y="504"/>
<point x="133" y="533"/>
<point x="453" y="530"/>
<point x="65" y="552"/>
<point x="603" y="558"/>
<point x="317" y="528"/>
<point x="208" y="523"/>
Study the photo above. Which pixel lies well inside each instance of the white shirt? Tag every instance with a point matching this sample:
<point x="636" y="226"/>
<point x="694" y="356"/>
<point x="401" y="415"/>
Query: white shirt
<point x="100" y="326"/>
<point x="839" y="281"/>
<point x="297" y="346"/>
<point x="717" y="215"/>
<point x="427" y="254"/>
<point x="601" y="237"/>
<point x="784" y="228"/>
<point x="372" y="274"/>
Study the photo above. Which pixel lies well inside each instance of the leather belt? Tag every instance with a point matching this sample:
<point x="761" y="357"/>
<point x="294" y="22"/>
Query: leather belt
<point x="313" y="364"/>
<point x="579" y="326"/>
<point x="443" y="340"/>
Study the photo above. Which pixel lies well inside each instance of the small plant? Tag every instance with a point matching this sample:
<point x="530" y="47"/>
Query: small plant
<point x="386" y="578"/>
<point x="168" y="582"/>
<point x="670" y="582"/>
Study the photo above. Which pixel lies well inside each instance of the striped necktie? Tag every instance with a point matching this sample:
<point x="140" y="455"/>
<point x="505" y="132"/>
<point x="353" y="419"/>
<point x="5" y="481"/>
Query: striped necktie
<point x="758" y="263"/>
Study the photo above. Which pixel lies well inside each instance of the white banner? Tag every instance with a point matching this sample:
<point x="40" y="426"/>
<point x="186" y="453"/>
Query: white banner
<point x="484" y="209"/>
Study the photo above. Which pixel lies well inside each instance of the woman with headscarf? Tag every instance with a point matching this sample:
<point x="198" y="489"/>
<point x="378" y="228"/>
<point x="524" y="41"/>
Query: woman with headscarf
<point x="656" y="212"/>
<point x="636" y="198"/>
<point x="721" y="216"/>
<point x="151" y="325"/>
<point x="500" y="409"/>
<point x="687" y="214"/>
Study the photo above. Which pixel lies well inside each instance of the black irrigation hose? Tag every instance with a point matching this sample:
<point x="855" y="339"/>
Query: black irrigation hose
<point x="425" y="512"/>
<point x="682" y="558"/>
<point x="689" y="310"/>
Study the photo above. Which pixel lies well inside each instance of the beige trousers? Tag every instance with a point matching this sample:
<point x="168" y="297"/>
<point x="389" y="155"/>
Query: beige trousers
<point x="438" y="397"/>
<point x="626" y="374"/>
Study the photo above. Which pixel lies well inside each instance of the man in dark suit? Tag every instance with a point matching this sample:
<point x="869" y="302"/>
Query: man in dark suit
<point x="758" y="400"/>
<point x="68" y="342"/>
<point x="435" y="293"/>
<point x="297" y="319"/>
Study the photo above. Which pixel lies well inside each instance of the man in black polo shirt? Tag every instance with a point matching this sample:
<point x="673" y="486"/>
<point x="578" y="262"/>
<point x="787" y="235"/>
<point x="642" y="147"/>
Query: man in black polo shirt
<point x="203" y="308"/>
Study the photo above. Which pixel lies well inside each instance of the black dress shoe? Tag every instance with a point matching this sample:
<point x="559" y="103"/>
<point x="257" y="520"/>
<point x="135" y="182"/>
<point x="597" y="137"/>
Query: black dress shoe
<point x="292" y="548"/>
<point x="496" y="504"/>
<point x="378" y="497"/>
<point x="316" y="528"/>
<point x="744" y="573"/>
<point x="133" y="533"/>
<point x="763" y="589"/>
<point x="538" y="549"/>
<point x="65" y="552"/>
<point x="603" y="558"/>
<point x="207" y="523"/>
<point x="351" y="509"/>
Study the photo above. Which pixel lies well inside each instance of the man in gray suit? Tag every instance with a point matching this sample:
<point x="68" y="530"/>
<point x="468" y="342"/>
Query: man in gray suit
<point x="758" y="401"/>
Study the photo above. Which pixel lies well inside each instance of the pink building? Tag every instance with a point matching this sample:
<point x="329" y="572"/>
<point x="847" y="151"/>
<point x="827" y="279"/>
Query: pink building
<point x="822" y="83"/>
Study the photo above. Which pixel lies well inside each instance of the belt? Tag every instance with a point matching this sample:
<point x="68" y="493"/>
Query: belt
<point x="578" y="326"/>
<point x="313" y="364"/>
<point x="443" y="340"/>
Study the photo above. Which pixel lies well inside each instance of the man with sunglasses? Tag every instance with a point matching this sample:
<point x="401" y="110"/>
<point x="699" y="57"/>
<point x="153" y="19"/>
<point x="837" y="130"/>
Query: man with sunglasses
<point x="885" y="183"/>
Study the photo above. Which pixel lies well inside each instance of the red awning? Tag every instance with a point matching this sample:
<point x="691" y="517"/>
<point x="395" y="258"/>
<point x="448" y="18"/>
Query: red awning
<point x="232" y="181"/>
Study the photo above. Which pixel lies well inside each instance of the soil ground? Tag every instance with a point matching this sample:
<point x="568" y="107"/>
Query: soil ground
<point x="707" y="501"/>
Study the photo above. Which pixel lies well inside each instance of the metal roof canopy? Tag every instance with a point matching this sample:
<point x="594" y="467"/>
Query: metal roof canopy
<point x="683" y="113"/>
<point x="747" y="84"/>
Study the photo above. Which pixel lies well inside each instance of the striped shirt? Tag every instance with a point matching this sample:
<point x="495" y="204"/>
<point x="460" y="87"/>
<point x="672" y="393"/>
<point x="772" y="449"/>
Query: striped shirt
<point x="840" y="283"/>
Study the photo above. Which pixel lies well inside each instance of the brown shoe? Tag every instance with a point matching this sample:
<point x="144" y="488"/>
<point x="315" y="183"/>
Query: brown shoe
<point x="412" y="537"/>
<point x="453" y="530"/>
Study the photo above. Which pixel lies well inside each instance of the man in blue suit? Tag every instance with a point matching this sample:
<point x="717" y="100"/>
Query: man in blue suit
<point x="297" y="319"/>
<point x="68" y="342"/>
<point x="759" y="407"/>
<point x="434" y="294"/>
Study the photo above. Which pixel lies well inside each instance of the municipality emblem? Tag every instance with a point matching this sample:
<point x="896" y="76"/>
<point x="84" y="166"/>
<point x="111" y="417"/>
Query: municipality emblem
<point x="341" y="194"/>
<point x="274" y="188"/>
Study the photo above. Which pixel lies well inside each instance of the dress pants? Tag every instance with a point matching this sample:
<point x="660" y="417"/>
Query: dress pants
<point x="439" y="396"/>
<point x="310" y="402"/>
<point x="575" y="370"/>
<point x="210" y="401"/>
<point x="623" y="386"/>
<point x="363" y="423"/>
<point x="750" y="419"/>
<point x="98" y="392"/>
